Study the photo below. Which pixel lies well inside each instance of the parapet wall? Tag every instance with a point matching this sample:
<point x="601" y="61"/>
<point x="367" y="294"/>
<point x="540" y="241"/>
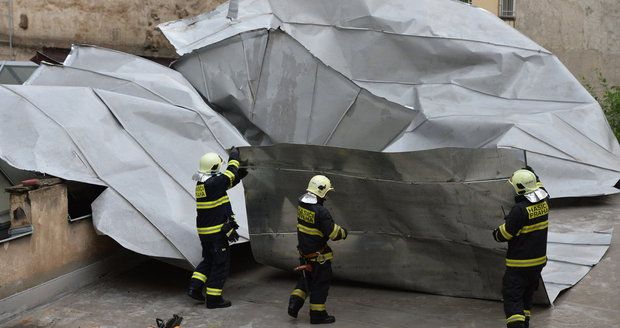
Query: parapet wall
<point x="55" y="247"/>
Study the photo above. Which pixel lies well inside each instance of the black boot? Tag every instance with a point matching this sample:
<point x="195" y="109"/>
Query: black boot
<point x="320" y="317"/>
<point x="215" y="302"/>
<point x="294" y="305"/>
<point x="195" y="293"/>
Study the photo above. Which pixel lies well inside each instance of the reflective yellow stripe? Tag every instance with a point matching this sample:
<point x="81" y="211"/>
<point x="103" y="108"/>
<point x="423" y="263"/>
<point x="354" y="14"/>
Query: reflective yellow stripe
<point x="323" y="257"/>
<point x="309" y="231"/>
<point x="210" y="230"/>
<point x="199" y="276"/>
<point x="526" y="263"/>
<point x="534" y="227"/>
<point x="234" y="163"/>
<point x="527" y="313"/>
<point x="231" y="177"/>
<point x="317" y="307"/>
<point x="299" y="293"/>
<point x="212" y="204"/>
<point x="334" y="232"/>
<point x="214" y="291"/>
<point x="505" y="233"/>
<point x="515" y="318"/>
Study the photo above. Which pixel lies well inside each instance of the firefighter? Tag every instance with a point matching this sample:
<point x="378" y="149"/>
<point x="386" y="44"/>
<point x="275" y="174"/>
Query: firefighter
<point x="315" y="227"/>
<point x="216" y="226"/>
<point x="525" y="230"/>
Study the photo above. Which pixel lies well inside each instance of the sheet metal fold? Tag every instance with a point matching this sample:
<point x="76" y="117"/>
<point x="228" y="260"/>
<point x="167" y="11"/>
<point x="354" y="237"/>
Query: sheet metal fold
<point x="419" y="220"/>
<point x="123" y="122"/>
<point x="397" y="76"/>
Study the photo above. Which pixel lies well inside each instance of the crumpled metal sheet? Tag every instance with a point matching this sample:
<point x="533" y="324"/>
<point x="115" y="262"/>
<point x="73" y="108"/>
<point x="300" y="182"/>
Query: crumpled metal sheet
<point x="116" y="120"/>
<point x="419" y="220"/>
<point x="397" y="76"/>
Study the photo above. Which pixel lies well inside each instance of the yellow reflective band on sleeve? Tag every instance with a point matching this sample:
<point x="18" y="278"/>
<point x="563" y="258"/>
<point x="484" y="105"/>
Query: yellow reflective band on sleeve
<point x="299" y="293"/>
<point x="527" y="313"/>
<point x="505" y="233"/>
<point x="233" y="162"/>
<point x="199" y="276"/>
<point x="212" y="204"/>
<point x="200" y="191"/>
<point x="515" y="318"/>
<point x="230" y="176"/>
<point x="317" y="307"/>
<point x="526" y="263"/>
<point x="534" y="227"/>
<point x="334" y="233"/>
<point x="210" y="230"/>
<point x="309" y="231"/>
<point x="539" y="184"/>
<point x="537" y="210"/>
<point x="214" y="291"/>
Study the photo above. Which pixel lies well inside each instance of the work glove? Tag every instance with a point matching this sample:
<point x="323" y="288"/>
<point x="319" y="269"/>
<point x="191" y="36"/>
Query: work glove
<point x="241" y="173"/>
<point x="496" y="235"/>
<point x="230" y="230"/>
<point x="233" y="153"/>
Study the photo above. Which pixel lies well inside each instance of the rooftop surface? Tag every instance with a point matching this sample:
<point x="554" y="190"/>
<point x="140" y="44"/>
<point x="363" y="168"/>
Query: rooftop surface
<point x="260" y="294"/>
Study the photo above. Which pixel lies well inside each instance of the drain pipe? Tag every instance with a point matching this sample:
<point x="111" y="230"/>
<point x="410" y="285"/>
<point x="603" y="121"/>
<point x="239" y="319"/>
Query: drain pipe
<point x="233" y="9"/>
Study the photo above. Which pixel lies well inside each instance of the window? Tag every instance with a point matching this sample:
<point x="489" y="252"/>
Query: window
<point x="507" y="9"/>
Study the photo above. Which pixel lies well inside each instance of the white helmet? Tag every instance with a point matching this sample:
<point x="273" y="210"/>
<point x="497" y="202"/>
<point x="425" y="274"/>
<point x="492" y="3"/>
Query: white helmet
<point x="209" y="163"/>
<point x="524" y="182"/>
<point x="319" y="185"/>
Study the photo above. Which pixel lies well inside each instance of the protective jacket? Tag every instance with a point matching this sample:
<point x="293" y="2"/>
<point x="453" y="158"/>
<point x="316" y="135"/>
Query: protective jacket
<point x="212" y="203"/>
<point x="315" y="226"/>
<point x="525" y="230"/>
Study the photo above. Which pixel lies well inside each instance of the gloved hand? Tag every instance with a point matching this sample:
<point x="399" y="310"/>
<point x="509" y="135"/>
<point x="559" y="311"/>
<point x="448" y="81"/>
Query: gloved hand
<point x="230" y="229"/>
<point x="345" y="233"/>
<point x="496" y="235"/>
<point x="233" y="153"/>
<point x="241" y="173"/>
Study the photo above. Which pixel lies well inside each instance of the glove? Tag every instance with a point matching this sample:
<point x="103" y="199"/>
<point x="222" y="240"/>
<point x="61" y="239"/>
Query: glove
<point x="232" y="235"/>
<point x="230" y="229"/>
<point x="233" y="153"/>
<point x="345" y="233"/>
<point x="496" y="235"/>
<point x="241" y="173"/>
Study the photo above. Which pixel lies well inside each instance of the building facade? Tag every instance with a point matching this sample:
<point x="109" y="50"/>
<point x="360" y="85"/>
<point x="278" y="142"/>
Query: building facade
<point x="584" y="34"/>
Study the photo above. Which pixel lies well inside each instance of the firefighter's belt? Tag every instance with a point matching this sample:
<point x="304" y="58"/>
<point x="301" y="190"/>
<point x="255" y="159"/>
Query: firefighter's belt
<point x="318" y="257"/>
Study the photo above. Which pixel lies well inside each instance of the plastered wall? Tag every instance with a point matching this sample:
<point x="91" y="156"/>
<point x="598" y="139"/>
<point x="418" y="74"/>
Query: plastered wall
<point x="584" y="34"/>
<point x="127" y="25"/>
<point x="56" y="246"/>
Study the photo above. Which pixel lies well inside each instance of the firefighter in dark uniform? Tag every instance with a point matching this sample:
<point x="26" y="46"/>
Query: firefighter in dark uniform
<point x="315" y="227"/>
<point x="525" y="230"/>
<point x="216" y="226"/>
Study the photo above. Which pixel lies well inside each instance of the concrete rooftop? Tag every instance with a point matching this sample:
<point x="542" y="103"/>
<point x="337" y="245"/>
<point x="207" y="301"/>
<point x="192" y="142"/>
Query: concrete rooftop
<point x="260" y="294"/>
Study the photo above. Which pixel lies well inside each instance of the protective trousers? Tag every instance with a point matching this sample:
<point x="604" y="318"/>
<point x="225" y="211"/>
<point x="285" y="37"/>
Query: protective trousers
<point x="518" y="290"/>
<point x="214" y="268"/>
<point x="317" y="282"/>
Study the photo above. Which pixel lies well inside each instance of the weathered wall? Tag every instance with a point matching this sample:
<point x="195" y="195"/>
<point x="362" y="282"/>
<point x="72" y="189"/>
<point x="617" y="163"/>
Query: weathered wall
<point x="127" y="25"/>
<point x="54" y="248"/>
<point x="490" y="5"/>
<point x="584" y="34"/>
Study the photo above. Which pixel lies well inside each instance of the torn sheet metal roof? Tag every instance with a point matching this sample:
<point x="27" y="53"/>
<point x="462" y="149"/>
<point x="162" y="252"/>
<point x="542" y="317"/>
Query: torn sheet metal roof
<point x="136" y="127"/>
<point x="398" y="76"/>
<point x="15" y="72"/>
<point x="423" y="221"/>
